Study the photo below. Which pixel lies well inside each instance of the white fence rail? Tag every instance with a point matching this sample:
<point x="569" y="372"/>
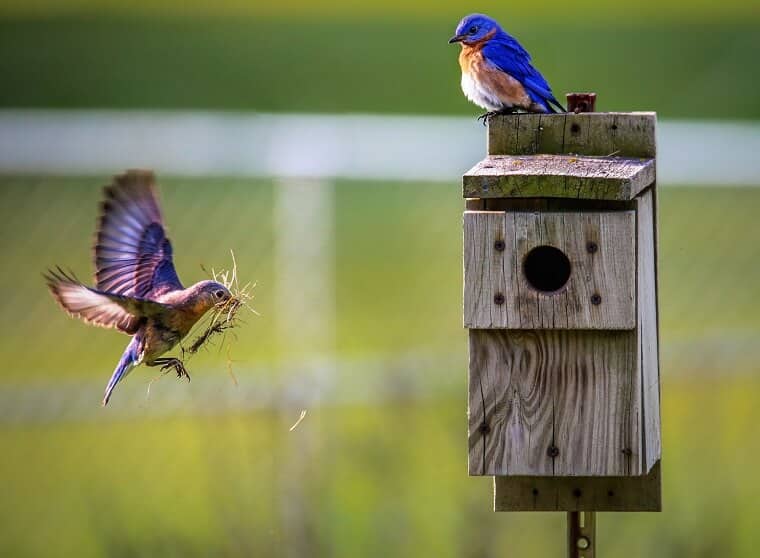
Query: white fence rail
<point x="322" y="146"/>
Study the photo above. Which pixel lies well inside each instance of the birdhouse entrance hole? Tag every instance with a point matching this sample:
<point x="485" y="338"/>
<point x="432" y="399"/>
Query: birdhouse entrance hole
<point x="546" y="268"/>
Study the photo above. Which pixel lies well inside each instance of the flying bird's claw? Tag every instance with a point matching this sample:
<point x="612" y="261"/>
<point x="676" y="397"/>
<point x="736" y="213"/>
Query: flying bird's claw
<point x="172" y="363"/>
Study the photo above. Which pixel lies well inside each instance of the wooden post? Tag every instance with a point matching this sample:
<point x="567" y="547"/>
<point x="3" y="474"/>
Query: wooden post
<point x="581" y="534"/>
<point x="560" y="301"/>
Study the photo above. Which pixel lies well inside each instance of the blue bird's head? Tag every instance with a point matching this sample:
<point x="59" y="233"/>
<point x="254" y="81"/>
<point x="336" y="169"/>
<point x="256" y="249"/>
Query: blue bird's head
<point x="475" y="28"/>
<point x="211" y="293"/>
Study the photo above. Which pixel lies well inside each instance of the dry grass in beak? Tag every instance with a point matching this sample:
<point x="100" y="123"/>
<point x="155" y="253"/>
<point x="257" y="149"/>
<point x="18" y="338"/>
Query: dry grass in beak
<point x="224" y="316"/>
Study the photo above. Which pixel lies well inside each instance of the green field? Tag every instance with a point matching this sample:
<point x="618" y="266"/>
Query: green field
<point x="646" y="11"/>
<point x="397" y="247"/>
<point x="695" y="70"/>
<point x="380" y="477"/>
<point x="369" y="481"/>
<point x="378" y="466"/>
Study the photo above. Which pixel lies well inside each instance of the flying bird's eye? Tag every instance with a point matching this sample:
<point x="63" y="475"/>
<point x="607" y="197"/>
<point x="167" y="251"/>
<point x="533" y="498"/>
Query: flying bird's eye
<point x="473" y="30"/>
<point x="219" y="294"/>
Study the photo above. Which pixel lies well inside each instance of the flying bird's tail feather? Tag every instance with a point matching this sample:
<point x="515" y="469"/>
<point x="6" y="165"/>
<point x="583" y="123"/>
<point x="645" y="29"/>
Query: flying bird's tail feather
<point x="127" y="362"/>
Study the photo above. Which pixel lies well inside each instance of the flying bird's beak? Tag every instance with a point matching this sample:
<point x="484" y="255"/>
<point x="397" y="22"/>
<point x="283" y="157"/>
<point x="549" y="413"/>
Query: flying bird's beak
<point x="456" y="39"/>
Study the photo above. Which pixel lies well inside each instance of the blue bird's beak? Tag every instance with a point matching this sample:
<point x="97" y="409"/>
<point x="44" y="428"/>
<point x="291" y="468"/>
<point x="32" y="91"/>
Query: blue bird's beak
<point x="456" y="39"/>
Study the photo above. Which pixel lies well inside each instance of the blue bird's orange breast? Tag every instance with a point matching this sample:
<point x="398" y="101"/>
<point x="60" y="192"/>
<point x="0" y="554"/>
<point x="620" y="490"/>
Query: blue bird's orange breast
<point x="486" y="85"/>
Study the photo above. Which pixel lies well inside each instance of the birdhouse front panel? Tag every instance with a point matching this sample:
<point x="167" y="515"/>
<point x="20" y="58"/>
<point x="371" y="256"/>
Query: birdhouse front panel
<point x="536" y="270"/>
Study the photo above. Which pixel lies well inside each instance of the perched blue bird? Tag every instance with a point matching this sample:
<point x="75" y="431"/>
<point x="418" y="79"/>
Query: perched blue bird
<point x="496" y="71"/>
<point x="137" y="290"/>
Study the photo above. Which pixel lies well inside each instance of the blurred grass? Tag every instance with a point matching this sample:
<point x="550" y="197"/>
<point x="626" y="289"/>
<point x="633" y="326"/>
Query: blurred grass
<point x="398" y="247"/>
<point x="380" y="481"/>
<point x="384" y="478"/>
<point x="697" y="69"/>
<point x="336" y="10"/>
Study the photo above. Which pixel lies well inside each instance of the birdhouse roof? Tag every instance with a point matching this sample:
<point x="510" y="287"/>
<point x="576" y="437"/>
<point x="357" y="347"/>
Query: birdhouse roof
<point x="590" y="155"/>
<point x="559" y="176"/>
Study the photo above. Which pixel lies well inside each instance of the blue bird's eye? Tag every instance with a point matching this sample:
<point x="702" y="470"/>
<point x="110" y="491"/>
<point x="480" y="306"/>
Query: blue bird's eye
<point x="473" y="30"/>
<point x="219" y="294"/>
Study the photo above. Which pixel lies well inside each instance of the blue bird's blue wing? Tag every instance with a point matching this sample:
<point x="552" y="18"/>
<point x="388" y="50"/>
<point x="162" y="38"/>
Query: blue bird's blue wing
<point x="133" y="257"/>
<point x="504" y="52"/>
<point x="99" y="308"/>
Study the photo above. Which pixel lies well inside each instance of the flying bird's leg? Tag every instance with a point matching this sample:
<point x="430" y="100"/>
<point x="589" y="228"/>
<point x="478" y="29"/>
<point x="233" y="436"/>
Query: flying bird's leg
<point x="169" y="363"/>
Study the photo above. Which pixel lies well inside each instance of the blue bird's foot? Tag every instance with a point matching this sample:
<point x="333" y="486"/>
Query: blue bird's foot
<point x="167" y="364"/>
<point x="485" y="117"/>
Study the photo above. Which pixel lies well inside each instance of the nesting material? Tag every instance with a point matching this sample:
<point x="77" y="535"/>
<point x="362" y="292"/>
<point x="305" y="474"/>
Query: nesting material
<point x="226" y="315"/>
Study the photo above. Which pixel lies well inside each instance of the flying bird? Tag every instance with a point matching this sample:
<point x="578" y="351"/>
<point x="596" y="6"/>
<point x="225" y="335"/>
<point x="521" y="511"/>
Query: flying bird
<point x="137" y="290"/>
<point x="496" y="71"/>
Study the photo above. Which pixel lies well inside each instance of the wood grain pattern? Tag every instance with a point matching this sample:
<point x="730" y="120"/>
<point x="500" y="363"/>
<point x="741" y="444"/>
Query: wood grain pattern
<point x="531" y="391"/>
<point x="608" y="272"/>
<point x="604" y="134"/>
<point x="647" y="328"/>
<point x="484" y="265"/>
<point x="563" y="176"/>
<point x="524" y="493"/>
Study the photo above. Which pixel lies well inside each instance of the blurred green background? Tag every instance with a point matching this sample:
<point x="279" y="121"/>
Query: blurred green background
<point x="378" y="466"/>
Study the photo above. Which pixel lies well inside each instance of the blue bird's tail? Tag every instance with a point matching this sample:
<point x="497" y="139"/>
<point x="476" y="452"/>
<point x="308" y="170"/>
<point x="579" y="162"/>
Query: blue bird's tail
<point x="556" y="103"/>
<point x="129" y="359"/>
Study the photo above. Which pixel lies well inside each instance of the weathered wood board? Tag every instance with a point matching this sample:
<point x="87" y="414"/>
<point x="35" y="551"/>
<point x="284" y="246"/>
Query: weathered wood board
<point x="553" y="403"/>
<point x="522" y="493"/>
<point x="647" y="326"/>
<point x="563" y="176"/>
<point x="599" y="294"/>
<point x="630" y="134"/>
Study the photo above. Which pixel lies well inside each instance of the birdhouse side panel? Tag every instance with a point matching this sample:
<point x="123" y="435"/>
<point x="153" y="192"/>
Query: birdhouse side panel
<point x="647" y="326"/>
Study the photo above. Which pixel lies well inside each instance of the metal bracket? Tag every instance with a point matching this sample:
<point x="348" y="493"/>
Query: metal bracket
<point x="581" y="534"/>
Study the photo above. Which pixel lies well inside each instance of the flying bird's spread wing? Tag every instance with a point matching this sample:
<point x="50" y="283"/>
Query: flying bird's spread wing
<point x="100" y="308"/>
<point x="133" y="257"/>
<point x="504" y="52"/>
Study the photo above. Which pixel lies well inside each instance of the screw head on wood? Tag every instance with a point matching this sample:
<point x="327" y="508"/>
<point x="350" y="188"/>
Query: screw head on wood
<point x="498" y="298"/>
<point x="582" y="543"/>
<point x="499" y="245"/>
<point x="596" y="299"/>
<point x="552" y="451"/>
<point x="592" y="247"/>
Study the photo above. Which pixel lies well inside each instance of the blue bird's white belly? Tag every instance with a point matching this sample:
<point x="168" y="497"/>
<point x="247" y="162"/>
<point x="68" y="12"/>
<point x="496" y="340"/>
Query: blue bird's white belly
<point x="478" y="93"/>
<point x="487" y="86"/>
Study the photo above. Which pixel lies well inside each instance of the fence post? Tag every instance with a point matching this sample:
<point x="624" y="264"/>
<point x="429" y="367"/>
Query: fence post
<point x="305" y="319"/>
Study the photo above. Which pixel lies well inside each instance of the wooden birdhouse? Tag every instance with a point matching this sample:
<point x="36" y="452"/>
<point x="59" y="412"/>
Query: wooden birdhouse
<point x="560" y="300"/>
